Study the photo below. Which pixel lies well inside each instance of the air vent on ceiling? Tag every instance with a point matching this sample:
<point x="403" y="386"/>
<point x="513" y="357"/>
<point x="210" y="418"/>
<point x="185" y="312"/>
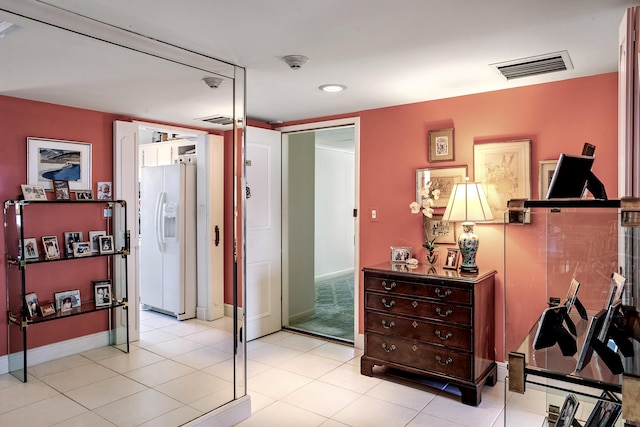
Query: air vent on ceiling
<point x="534" y="65"/>
<point x="218" y="120"/>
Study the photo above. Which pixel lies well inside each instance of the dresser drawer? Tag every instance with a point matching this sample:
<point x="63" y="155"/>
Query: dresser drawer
<point x="418" y="307"/>
<point x="436" y="333"/>
<point x="419" y="355"/>
<point x="434" y="290"/>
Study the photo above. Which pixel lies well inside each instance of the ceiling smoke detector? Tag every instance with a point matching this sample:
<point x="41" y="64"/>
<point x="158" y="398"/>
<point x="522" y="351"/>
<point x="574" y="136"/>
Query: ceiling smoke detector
<point x="295" y="62"/>
<point x="213" y="82"/>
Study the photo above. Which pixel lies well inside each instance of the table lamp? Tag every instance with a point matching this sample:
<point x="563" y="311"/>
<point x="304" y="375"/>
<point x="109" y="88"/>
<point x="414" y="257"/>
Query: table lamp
<point x="468" y="203"/>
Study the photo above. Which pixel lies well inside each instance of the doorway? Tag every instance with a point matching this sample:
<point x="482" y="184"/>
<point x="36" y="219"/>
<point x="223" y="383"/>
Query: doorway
<point x="319" y="178"/>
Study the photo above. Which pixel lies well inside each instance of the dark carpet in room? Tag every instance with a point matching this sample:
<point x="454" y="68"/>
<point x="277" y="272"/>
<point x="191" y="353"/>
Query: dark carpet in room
<point x="334" y="309"/>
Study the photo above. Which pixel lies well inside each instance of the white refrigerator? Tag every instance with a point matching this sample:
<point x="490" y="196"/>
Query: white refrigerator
<point x="168" y="239"/>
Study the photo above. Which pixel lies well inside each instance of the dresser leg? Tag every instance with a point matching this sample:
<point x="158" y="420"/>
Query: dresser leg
<point x="471" y="396"/>
<point x="366" y="366"/>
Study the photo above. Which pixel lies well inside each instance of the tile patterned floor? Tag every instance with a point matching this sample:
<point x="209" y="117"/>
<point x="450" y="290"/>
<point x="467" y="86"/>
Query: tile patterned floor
<point x="177" y="370"/>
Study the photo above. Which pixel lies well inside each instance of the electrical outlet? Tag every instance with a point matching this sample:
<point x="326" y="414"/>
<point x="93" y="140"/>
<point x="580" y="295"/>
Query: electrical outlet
<point x="374" y="214"/>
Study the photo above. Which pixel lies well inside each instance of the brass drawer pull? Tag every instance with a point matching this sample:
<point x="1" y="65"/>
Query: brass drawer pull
<point x="388" y="304"/>
<point x="446" y="362"/>
<point x="446" y="313"/>
<point x="388" y="349"/>
<point x="443" y="294"/>
<point x="389" y="326"/>
<point x="388" y="288"/>
<point x="446" y="337"/>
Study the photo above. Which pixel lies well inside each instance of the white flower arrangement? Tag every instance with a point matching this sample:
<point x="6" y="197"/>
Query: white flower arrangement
<point x="428" y="196"/>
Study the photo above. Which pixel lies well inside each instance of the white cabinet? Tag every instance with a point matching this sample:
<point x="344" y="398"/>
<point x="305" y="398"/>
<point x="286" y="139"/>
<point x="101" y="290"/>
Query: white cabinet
<point x="167" y="153"/>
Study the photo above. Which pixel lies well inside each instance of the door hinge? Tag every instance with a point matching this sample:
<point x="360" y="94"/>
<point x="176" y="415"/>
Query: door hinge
<point x="355" y="213"/>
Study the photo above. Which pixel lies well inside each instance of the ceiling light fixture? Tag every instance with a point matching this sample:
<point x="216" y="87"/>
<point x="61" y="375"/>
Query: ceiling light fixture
<point x="332" y="88"/>
<point x="7" y="27"/>
<point x="213" y="82"/>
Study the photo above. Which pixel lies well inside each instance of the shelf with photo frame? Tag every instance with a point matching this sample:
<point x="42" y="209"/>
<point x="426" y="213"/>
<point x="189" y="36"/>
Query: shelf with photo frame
<point x="95" y="283"/>
<point x="577" y="336"/>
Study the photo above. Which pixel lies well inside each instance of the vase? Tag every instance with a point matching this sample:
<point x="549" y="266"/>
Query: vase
<point x="432" y="258"/>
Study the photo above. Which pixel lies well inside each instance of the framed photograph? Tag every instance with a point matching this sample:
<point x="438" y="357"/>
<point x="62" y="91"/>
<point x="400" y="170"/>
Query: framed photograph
<point x="48" y="309"/>
<point x="33" y="192"/>
<point x="401" y="253"/>
<point x="104" y="190"/>
<point x="568" y="411"/>
<point x="81" y="249"/>
<point x="67" y="300"/>
<point x="436" y="228"/>
<point x="441" y="145"/>
<point x="61" y="188"/>
<point x="84" y="194"/>
<point x="603" y="333"/>
<point x="71" y="237"/>
<point x="52" y="159"/>
<point x="106" y="244"/>
<point x="451" y="261"/>
<point x="586" y="351"/>
<point x="396" y="266"/>
<point x="94" y="238"/>
<point x="504" y="169"/>
<point x="441" y="179"/>
<point x="546" y="168"/>
<point x="102" y="293"/>
<point x="31" y="300"/>
<point x="604" y="414"/>
<point x="51" y="248"/>
<point x="30" y="249"/>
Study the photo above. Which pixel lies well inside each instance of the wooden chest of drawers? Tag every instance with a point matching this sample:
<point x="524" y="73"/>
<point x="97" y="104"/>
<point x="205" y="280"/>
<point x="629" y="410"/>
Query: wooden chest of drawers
<point x="434" y="323"/>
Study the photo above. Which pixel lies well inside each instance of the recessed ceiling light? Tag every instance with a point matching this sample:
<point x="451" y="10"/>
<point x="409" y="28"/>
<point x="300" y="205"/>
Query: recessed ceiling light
<point x="7" y="27"/>
<point x="332" y="88"/>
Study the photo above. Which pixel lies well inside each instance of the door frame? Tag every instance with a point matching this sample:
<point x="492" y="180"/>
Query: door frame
<point x="358" y="338"/>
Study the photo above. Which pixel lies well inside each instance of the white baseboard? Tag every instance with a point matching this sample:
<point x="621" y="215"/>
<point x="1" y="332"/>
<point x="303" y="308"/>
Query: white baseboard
<point x="47" y="353"/>
<point x="226" y="416"/>
<point x="301" y="316"/>
<point x="333" y="274"/>
<point x="228" y="312"/>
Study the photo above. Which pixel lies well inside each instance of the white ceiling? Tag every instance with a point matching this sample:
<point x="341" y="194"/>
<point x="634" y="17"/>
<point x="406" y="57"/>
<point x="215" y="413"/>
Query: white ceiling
<point x="387" y="53"/>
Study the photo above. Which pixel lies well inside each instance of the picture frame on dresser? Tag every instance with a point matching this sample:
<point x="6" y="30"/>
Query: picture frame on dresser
<point x="451" y="260"/>
<point x="401" y="254"/>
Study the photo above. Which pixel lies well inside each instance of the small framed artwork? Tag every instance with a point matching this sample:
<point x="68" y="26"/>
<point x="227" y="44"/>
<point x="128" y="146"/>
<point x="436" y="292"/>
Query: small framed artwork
<point x="31" y="300"/>
<point x="568" y="411"/>
<point x="84" y="194"/>
<point x="436" y="228"/>
<point x="102" y="293"/>
<point x="81" y="249"/>
<point x="94" y="238"/>
<point x="504" y="170"/>
<point x="33" y="192"/>
<point x="546" y="168"/>
<point x="441" y="179"/>
<point x="441" y="145"/>
<point x="106" y="245"/>
<point x="71" y="237"/>
<point x="67" y="300"/>
<point x="604" y="414"/>
<point x="52" y="159"/>
<point x="48" y="309"/>
<point x="400" y="253"/>
<point x="104" y="190"/>
<point x="451" y="261"/>
<point x="51" y="248"/>
<point x="61" y="188"/>
<point x="30" y="249"/>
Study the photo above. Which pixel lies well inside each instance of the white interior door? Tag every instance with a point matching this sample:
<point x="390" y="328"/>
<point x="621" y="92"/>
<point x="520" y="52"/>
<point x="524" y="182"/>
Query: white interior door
<point x="263" y="233"/>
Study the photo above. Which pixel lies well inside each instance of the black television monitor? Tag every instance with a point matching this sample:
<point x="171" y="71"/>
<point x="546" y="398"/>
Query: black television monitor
<point x="571" y="176"/>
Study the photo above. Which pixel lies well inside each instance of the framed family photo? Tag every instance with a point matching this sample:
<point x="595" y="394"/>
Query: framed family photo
<point x="33" y="307"/>
<point x="71" y="237"/>
<point x="52" y="159"/>
<point x="400" y="253"/>
<point x="84" y="194"/>
<point x="61" y="189"/>
<point x="504" y="170"/>
<point x="102" y="293"/>
<point x="106" y="244"/>
<point x="436" y="228"/>
<point x="67" y="300"/>
<point x="441" y="145"/>
<point x="442" y="179"/>
<point x="94" y="238"/>
<point x="51" y="248"/>
<point x="30" y="248"/>
<point x="81" y="249"/>
<point x="451" y="261"/>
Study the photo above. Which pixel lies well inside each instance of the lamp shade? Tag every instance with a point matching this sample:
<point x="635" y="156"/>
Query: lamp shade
<point x="467" y="203"/>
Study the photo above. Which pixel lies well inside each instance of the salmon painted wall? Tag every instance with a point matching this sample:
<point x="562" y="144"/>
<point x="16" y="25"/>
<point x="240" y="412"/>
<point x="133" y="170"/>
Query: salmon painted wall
<point x="557" y="117"/>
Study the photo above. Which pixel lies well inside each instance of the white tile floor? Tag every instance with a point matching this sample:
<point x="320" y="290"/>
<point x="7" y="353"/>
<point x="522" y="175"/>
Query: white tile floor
<point x="179" y="370"/>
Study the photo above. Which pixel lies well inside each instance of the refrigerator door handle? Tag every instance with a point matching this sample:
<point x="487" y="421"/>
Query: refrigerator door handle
<point x="159" y="203"/>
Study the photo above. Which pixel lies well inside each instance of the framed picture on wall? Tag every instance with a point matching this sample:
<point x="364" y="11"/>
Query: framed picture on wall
<point x="52" y="159"/>
<point x="441" y="145"/>
<point x="436" y="228"/>
<point x="546" y="168"/>
<point x="504" y="169"/>
<point x="442" y="179"/>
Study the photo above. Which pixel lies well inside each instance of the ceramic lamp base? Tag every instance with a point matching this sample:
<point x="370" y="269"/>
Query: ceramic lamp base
<point x="468" y="244"/>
